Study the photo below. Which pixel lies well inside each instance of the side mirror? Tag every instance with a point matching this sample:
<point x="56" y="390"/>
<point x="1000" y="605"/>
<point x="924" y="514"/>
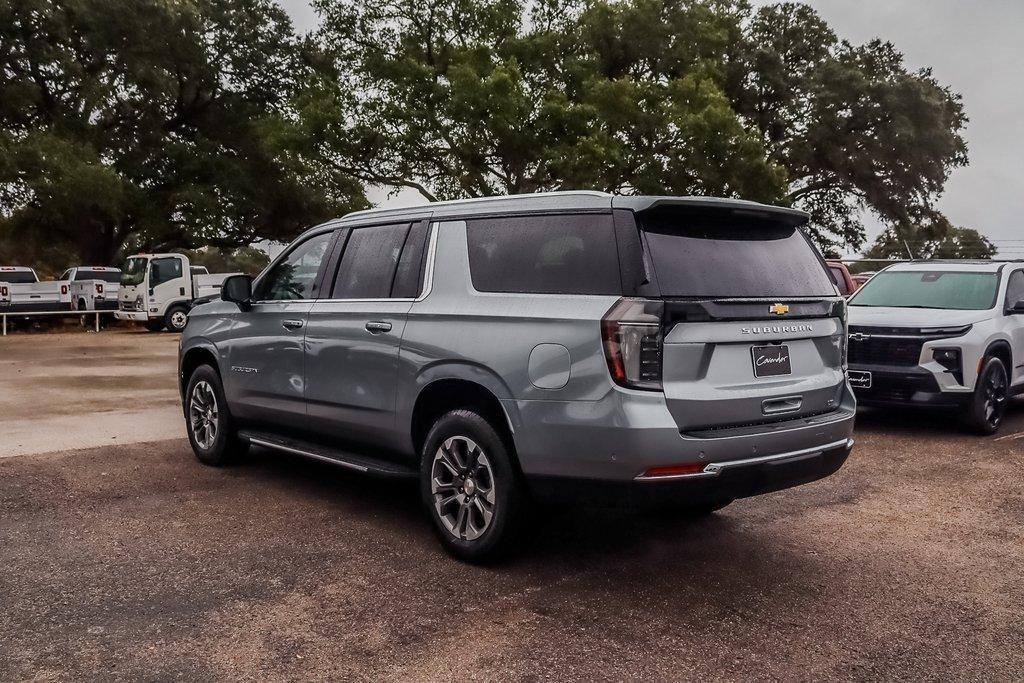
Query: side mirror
<point x="238" y="288"/>
<point x="1017" y="307"/>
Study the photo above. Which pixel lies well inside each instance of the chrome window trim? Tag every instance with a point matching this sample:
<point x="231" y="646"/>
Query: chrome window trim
<point x="428" y="280"/>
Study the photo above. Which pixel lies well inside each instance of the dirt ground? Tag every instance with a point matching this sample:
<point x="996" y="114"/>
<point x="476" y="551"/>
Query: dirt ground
<point x="133" y="561"/>
<point x="75" y="389"/>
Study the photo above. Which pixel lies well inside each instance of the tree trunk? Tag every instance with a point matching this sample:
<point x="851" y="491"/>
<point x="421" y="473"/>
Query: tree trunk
<point x="97" y="244"/>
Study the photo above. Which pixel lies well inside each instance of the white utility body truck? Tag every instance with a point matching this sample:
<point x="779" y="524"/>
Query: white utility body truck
<point x="159" y="290"/>
<point x="21" y="291"/>
<point x="93" y="288"/>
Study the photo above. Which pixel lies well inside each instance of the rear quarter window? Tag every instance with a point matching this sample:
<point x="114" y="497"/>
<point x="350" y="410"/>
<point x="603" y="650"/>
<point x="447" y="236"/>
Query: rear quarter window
<point x="563" y="254"/>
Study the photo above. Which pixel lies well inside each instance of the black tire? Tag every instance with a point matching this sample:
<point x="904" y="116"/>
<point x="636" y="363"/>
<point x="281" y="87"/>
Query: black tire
<point x="506" y="503"/>
<point x="176" y="318"/>
<point x="987" y="408"/>
<point x="225" y="446"/>
<point x="154" y="325"/>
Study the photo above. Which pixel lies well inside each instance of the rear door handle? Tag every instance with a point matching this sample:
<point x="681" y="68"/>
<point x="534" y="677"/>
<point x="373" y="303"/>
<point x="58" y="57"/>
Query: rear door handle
<point x="291" y="324"/>
<point x="378" y="326"/>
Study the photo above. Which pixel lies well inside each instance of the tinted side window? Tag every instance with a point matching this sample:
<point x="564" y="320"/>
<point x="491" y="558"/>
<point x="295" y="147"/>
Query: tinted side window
<point x="163" y="270"/>
<point x="368" y="264"/>
<point x="1015" y="288"/>
<point x="413" y="263"/>
<point x="293" y="277"/>
<point x="544" y="255"/>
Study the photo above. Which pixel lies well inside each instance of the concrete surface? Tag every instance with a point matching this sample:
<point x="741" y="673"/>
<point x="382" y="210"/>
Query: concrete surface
<point x="131" y="562"/>
<point x="83" y="389"/>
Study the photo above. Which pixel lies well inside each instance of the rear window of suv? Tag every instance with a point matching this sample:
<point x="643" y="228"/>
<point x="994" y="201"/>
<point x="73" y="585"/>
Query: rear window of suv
<point x="701" y="255"/>
<point x="561" y="254"/>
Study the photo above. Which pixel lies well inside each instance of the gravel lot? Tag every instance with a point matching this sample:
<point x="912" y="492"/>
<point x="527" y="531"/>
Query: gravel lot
<point x="132" y="561"/>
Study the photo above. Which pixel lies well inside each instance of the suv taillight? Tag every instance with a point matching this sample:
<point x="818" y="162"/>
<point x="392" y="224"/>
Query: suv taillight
<point x="632" y="339"/>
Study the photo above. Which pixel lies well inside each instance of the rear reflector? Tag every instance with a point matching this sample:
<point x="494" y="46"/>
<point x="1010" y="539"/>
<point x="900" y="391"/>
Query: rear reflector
<point x="676" y="470"/>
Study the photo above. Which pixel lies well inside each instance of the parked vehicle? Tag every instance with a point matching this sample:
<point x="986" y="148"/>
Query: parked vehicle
<point x="159" y="290"/>
<point x="841" y="276"/>
<point x="93" y="288"/>
<point x="945" y="334"/>
<point x="861" y="278"/>
<point x="674" y="351"/>
<point x="21" y="290"/>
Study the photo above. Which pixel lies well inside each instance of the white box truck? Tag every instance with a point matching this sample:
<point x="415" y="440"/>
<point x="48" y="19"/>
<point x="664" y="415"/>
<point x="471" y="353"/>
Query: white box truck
<point x="159" y="290"/>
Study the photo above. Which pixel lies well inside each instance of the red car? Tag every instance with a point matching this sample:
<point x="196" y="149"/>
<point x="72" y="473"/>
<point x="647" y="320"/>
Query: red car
<point x="841" y="274"/>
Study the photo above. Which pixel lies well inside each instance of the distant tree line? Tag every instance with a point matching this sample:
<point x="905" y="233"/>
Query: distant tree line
<point x="147" y="124"/>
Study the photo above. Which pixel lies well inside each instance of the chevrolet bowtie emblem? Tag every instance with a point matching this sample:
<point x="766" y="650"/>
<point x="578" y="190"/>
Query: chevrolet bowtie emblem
<point x="779" y="309"/>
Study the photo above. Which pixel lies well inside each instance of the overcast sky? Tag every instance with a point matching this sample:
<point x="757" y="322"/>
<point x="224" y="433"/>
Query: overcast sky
<point x="974" y="47"/>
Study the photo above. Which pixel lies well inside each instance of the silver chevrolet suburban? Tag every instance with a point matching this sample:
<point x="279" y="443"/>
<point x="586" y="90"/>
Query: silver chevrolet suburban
<point x="509" y="351"/>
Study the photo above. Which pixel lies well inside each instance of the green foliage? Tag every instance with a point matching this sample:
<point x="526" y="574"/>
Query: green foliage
<point x="854" y="129"/>
<point x="475" y="97"/>
<point x="147" y="124"/>
<point x="943" y="241"/>
<point x="144" y="124"/>
<point x="248" y="260"/>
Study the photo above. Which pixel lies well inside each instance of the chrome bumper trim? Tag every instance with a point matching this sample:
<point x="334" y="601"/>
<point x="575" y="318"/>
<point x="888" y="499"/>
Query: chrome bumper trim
<point x="713" y="469"/>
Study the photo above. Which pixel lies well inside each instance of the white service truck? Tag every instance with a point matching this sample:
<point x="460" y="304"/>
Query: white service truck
<point x="92" y="288"/>
<point x="159" y="290"/>
<point x="21" y="291"/>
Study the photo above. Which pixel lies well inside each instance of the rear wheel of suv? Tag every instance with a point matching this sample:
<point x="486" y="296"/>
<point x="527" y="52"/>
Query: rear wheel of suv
<point x="208" y="421"/>
<point x="470" y="487"/>
<point x="988" y="404"/>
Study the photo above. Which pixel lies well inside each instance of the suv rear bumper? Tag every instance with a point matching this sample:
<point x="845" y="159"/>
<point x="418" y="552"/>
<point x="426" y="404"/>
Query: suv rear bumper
<point x="739" y="481"/>
<point x="615" y="440"/>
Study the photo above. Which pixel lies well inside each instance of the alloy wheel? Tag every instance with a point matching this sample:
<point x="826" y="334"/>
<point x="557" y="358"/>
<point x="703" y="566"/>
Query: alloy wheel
<point x="462" y="484"/>
<point x="204" y="418"/>
<point x="995" y="391"/>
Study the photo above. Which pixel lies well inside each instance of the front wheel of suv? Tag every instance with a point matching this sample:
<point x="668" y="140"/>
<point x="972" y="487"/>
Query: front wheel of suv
<point x="208" y="421"/>
<point x="988" y="404"/>
<point x="470" y="487"/>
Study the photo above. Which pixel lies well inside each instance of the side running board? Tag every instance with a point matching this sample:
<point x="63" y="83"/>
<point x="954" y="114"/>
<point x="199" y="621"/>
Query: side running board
<point x="348" y="460"/>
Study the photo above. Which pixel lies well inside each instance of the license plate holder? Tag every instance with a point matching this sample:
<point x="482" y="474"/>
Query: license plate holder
<point x="771" y="360"/>
<point x="859" y="379"/>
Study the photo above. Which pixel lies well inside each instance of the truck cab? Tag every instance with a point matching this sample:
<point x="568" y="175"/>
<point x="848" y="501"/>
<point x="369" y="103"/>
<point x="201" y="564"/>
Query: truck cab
<point x="158" y="290"/>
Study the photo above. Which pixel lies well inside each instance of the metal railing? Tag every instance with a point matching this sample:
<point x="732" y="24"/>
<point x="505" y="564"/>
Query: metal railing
<point x="66" y="314"/>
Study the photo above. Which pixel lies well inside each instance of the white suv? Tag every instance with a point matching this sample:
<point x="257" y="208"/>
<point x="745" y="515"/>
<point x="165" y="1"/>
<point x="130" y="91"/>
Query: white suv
<point x="941" y="333"/>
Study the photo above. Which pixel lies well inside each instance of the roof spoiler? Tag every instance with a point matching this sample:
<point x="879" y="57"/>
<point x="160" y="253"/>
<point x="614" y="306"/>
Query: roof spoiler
<point x="738" y="207"/>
